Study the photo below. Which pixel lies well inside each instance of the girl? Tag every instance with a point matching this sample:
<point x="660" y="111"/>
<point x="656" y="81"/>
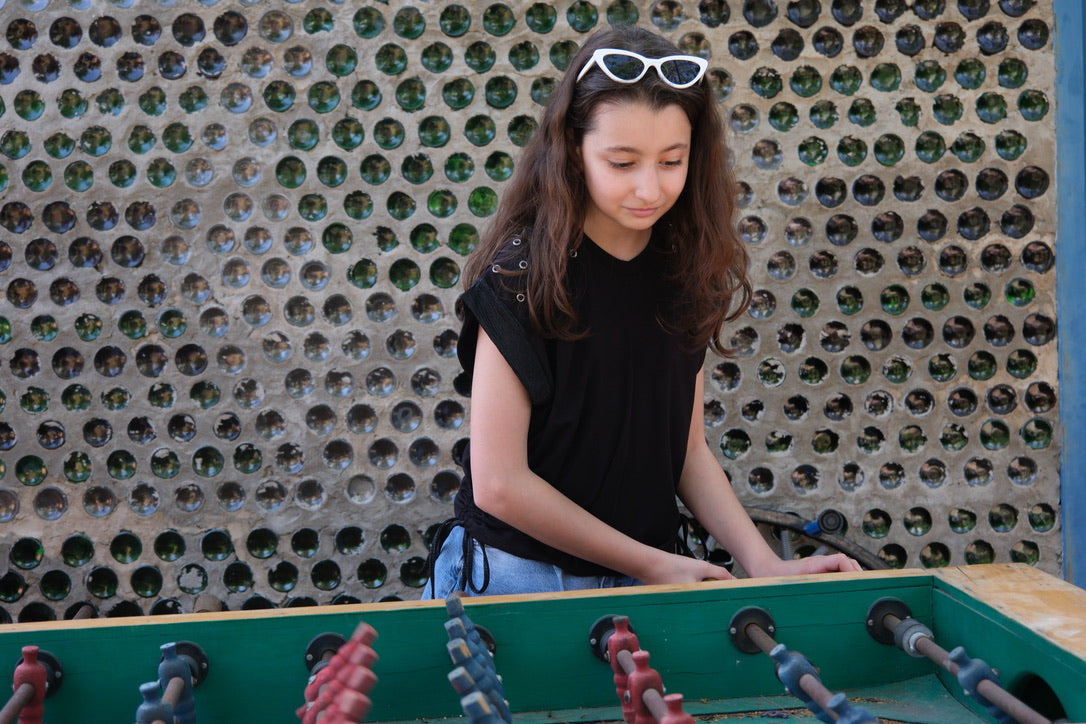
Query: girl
<point x="611" y="265"/>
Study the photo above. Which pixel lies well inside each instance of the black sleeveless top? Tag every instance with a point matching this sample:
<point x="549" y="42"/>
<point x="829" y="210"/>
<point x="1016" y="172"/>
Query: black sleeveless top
<point x="610" y="412"/>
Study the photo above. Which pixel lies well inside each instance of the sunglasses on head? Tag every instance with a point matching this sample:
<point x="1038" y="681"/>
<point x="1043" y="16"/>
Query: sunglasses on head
<point x="626" y="66"/>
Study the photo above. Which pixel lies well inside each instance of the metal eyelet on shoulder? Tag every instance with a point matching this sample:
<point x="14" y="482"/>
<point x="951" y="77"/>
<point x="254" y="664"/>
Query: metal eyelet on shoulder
<point x="521" y="297"/>
<point x="516" y="241"/>
<point x="523" y="264"/>
<point x="496" y="268"/>
<point x="573" y="254"/>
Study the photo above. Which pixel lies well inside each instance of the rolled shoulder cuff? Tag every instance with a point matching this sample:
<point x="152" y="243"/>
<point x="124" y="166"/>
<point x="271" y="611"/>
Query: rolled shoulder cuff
<point x="513" y="337"/>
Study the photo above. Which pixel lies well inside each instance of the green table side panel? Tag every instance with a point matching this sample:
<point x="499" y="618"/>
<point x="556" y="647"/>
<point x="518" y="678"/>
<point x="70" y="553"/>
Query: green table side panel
<point x="257" y="670"/>
<point x="689" y="643"/>
<point x="1017" y="654"/>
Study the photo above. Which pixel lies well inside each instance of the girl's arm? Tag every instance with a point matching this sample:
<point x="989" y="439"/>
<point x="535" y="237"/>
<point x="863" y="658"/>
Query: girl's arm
<point x="506" y="488"/>
<point x="707" y="493"/>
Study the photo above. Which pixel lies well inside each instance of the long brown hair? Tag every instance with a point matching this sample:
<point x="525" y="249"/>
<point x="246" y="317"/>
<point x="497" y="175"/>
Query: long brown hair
<point x="544" y="203"/>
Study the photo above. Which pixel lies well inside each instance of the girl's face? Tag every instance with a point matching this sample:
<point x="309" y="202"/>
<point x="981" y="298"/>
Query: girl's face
<point x="635" y="161"/>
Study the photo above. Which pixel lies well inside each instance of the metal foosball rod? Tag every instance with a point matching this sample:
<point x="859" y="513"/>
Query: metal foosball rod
<point x="751" y="631"/>
<point x="810" y="683"/>
<point x="890" y="621"/>
<point x="175" y="689"/>
<point x="22" y="698"/>
<point x="644" y="682"/>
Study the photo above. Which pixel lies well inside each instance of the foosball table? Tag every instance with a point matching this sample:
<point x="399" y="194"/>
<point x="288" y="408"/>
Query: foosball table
<point x="990" y="643"/>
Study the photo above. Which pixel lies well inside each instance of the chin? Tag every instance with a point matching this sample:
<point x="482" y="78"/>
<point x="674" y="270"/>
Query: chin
<point x="635" y="223"/>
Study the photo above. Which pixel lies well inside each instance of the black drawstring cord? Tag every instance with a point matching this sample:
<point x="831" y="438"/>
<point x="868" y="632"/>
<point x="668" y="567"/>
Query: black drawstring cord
<point x="436" y="542"/>
<point x="467" y="574"/>
<point x="682" y="540"/>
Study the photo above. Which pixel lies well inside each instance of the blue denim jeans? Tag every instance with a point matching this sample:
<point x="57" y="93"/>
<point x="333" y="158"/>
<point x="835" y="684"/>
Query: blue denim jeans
<point x="508" y="573"/>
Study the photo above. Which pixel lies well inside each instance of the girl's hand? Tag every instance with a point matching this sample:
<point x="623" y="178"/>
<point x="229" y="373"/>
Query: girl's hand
<point x="838" y="562"/>
<point x="681" y="569"/>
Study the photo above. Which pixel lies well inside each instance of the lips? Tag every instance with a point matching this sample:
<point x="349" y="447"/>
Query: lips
<point x="642" y="213"/>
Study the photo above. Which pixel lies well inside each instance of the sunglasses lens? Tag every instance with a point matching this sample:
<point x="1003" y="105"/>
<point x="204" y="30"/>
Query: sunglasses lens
<point x="625" y="67"/>
<point x="680" y="72"/>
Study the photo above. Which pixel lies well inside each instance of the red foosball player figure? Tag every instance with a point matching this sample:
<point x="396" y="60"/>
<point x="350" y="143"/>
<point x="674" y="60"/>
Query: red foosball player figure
<point x="349" y="669"/>
<point x="364" y="635"/>
<point x="350" y="678"/>
<point x="350" y="707"/>
<point x="623" y="639"/>
<point x="641" y="680"/>
<point x="675" y="713"/>
<point x="28" y="683"/>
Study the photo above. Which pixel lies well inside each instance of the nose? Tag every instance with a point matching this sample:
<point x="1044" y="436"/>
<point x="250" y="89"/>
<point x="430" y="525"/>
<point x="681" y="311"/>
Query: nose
<point x="648" y="184"/>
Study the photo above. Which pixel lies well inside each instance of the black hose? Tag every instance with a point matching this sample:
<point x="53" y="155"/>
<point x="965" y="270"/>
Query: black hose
<point x="790" y="521"/>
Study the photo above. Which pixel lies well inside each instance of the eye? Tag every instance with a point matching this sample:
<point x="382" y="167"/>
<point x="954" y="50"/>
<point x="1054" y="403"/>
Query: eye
<point x="621" y="164"/>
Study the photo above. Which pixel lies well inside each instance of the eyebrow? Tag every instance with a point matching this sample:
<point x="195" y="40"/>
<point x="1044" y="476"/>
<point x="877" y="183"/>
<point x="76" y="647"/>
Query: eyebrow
<point x="631" y="149"/>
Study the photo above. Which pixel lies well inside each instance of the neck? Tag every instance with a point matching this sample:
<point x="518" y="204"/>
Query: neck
<point x="624" y="245"/>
